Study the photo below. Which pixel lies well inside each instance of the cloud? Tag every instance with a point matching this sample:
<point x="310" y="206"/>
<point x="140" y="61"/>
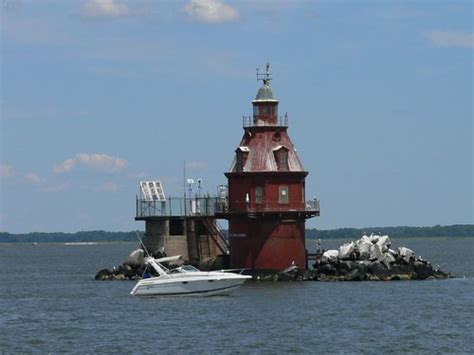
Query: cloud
<point x="451" y="39"/>
<point x="211" y="11"/>
<point x="35" y="179"/>
<point x="6" y="170"/>
<point x="105" y="9"/>
<point x="101" y="162"/>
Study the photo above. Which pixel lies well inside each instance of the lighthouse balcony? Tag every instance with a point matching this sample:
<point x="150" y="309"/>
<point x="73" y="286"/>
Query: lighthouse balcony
<point x="179" y="206"/>
<point x="220" y="207"/>
<point x="308" y="208"/>
<point x="249" y="121"/>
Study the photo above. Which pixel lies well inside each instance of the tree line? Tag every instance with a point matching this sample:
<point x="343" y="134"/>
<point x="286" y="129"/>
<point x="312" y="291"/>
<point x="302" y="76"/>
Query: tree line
<point x="457" y="230"/>
<point x="58" y="237"/>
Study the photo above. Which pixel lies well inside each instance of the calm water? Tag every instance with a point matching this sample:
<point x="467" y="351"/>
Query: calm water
<point x="49" y="302"/>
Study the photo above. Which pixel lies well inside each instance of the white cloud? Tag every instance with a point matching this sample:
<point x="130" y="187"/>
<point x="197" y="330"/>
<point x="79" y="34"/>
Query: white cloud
<point x="211" y="11"/>
<point x="35" y="179"/>
<point x="100" y="162"/>
<point x="103" y="9"/>
<point x="6" y="170"/>
<point x="451" y="39"/>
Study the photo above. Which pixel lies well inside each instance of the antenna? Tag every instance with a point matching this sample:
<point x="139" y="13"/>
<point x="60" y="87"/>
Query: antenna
<point x="143" y="245"/>
<point x="265" y="77"/>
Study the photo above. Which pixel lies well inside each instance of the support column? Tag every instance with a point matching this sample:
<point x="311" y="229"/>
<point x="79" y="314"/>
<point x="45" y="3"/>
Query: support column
<point x="155" y="235"/>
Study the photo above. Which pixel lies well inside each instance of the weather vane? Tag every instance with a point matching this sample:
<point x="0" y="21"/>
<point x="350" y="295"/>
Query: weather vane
<point x="266" y="76"/>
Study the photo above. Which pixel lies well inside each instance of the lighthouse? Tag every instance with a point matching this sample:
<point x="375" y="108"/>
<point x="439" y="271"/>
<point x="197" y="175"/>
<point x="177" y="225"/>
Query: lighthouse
<point x="267" y="206"/>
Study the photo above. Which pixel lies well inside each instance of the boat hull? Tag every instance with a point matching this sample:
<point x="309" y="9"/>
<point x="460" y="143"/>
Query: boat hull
<point x="151" y="287"/>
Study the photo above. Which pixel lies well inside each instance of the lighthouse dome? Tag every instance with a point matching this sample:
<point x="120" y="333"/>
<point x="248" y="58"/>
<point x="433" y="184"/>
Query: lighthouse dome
<point x="265" y="93"/>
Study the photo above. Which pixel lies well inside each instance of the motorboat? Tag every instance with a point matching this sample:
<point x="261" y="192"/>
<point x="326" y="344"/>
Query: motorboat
<point x="186" y="280"/>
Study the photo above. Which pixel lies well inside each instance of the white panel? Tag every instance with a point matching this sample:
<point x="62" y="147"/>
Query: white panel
<point x="152" y="190"/>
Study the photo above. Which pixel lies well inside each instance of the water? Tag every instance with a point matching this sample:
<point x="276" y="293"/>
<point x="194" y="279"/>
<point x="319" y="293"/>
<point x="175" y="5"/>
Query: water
<point x="49" y="302"/>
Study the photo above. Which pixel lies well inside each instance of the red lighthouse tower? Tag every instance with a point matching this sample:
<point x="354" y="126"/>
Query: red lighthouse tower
<point x="266" y="186"/>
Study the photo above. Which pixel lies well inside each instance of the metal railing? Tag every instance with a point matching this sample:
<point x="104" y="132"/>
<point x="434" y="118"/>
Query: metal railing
<point x="249" y="121"/>
<point x="274" y="206"/>
<point x="180" y="206"/>
<point x="209" y="206"/>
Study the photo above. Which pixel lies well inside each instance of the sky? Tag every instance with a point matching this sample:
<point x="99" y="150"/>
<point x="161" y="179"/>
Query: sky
<point x="99" y="95"/>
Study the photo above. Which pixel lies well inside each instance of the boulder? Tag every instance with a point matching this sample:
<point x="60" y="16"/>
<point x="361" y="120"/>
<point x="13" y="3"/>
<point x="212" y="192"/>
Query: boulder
<point x="103" y="274"/>
<point x="375" y="252"/>
<point x="438" y="274"/>
<point x="393" y="252"/>
<point x="118" y="277"/>
<point x="346" y="266"/>
<point x="355" y="275"/>
<point x="362" y="248"/>
<point x="310" y="275"/>
<point x="384" y="243"/>
<point x="330" y="256"/>
<point x="363" y="265"/>
<point x="400" y="277"/>
<point x="388" y="260"/>
<point x="291" y="273"/>
<point x="403" y="269"/>
<point x="346" y="250"/>
<point x="406" y="254"/>
<point x="327" y="269"/>
<point x="136" y="258"/>
<point x="379" y="270"/>
<point x="374" y="238"/>
<point x="422" y="269"/>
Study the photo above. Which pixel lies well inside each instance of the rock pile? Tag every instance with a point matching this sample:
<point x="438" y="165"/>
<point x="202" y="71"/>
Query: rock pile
<point x="370" y="258"/>
<point x="132" y="268"/>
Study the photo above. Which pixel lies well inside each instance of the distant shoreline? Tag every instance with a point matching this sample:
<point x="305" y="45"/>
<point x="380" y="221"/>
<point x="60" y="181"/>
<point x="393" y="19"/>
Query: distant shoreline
<point x="457" y="230"/>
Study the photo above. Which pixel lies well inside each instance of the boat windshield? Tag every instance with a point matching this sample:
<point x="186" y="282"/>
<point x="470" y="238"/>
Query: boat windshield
<point x="189" y="268"/>
<point x="183" y="270"/>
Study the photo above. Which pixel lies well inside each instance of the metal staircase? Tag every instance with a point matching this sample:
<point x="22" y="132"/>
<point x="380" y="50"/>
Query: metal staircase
<point x="217" y="235"/>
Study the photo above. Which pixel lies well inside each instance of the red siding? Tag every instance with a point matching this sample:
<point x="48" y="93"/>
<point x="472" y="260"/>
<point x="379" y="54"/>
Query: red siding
<point x="267" y="245"/>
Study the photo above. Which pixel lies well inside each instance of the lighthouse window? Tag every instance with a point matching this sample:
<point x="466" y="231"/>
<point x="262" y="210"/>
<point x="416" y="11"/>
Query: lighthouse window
<point x="282" y="159"/>
<point x="258" y="195"/>
<point x="283" y="195"/>
<point x="239" y="164"/>
<point x="255" y="111"/>
<point x="240" y="159"/>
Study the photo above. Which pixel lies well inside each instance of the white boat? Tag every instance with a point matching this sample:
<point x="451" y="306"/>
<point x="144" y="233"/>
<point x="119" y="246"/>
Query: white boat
<point x="186" y="280"/>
